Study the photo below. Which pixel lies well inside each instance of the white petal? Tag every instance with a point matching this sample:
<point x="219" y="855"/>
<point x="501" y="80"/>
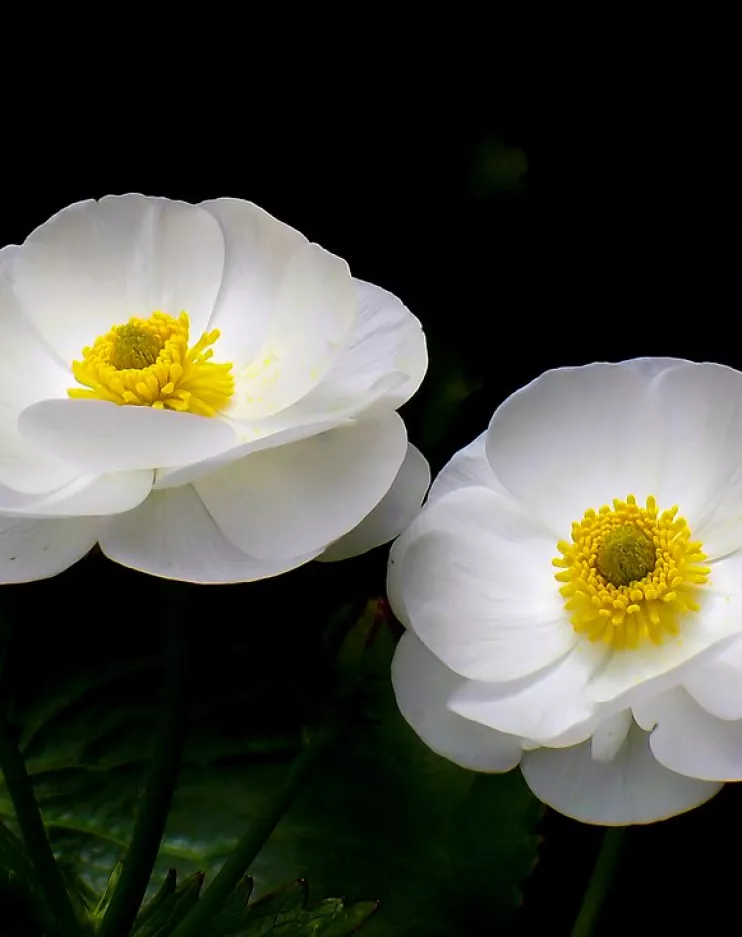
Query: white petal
<point x="314" y="314"/>
<point x="609" y="736"/>
<point x="716" y="684"/>
<point x="102" y="437"/>
<point x="633" y="675"/>
<point x="573" y="439"/>
<point x="97" y="495"/>
<point x="392" y="514"/>
<point x="541" y="707"/>
<point x="172" y="535"/>
<point x="470" y="467"/>
<point x="258" y="250"/>
<point x="422" y="685"/>
<point x="700" y="440"/>
<point x="687" y="739"/>
<point x="96" y="264"/>
<point x="394" y="580"/>
<point x="300" y="497"/>
<point x="28" y="372"/>
<point x="650" y="368"/>
<point x="385" y="360"/>
<point x="173" y="478"/>
<point x="478" y="587"/>
<point x="38" y="549"/>
<point x="632" y="788"/>
<point x="366" y="377"/>
<point x="23" y="468"/>
<point x="24" y="471"/>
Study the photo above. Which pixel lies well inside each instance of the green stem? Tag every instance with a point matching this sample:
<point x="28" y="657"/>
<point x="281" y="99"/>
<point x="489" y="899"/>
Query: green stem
<point x="34" y="835"/>
<point x="600" y="882"/>
<point x="158" y="793"/>
<point x="250" y="845"/>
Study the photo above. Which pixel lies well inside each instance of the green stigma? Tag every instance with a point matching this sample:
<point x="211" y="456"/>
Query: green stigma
<point x="134" y="348"/>
<point x="627" y="555"/>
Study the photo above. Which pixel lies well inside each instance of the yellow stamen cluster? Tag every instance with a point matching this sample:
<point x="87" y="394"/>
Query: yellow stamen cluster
<point x="630" y="573"/>
<point x="147" y="363"/>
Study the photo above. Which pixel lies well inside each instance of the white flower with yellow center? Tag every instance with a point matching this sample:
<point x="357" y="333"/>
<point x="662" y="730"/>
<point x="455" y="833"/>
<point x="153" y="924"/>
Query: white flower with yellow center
<point x="573" y="592"/>
<point x="202" y="391"/>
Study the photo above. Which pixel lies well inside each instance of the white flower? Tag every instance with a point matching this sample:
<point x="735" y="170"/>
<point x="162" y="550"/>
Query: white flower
<point x="573" y="592"/>
<point x="201" y="390"/>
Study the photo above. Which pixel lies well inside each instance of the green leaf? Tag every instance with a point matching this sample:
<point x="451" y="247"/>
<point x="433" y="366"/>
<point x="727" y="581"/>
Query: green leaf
<point x="13" y="858"/>
<point x="166" y="917"/>
<point x="443" y="849"/>
<point x="233" y="915"/>
<point x="105" y="899"/>
<point x="86" y="748"/>
<point x="21" y="898"/>
<point x="154" y="904"/>
<point x="284" y="913"/>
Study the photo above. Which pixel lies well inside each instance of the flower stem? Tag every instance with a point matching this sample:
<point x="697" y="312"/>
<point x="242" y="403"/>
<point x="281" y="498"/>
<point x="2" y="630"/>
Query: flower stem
<point x="28" y="815"/>
<point x="158" y="793"/>
<point x="600" y="882"/>
<point x="34" y="835"/>
<point x="250" y="845"/>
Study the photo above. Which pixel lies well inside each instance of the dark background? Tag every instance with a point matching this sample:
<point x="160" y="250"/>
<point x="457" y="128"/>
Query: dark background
<point x="607" y="246"/>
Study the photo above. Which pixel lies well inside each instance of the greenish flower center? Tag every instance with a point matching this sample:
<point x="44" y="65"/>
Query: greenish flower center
<point x="627" y="555"/>
<point x="134" y="348"/>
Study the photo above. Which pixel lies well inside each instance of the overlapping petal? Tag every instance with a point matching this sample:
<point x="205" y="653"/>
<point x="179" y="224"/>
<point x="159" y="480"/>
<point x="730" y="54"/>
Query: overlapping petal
<point x="306" y="453"/>
<point x="631" y="788"/>
<point x="472" y="578"/>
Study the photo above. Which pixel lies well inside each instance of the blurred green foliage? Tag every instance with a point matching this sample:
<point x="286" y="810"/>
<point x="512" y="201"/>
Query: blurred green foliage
<point x="383" y="819"/>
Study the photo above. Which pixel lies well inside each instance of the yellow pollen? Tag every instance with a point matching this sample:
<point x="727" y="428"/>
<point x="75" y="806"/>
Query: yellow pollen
<point x="630" y="574"/>
<point x="147" y="363"/>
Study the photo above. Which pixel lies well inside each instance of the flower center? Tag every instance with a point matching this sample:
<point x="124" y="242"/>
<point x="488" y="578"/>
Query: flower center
<point x="630" y="573"/>
<point x="147" y="363"/>
<point x="626" y="555"/>
<point x="134" y="347"/>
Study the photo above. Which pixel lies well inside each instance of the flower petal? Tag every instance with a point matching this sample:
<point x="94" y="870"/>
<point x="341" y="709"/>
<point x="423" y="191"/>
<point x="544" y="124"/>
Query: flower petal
<point x="631" y="676"/>
<point x="96" y="264"/>
<point x="394" y="579"/>
<point x="716" y="684"/>
<point x="477" y="585"/>
<point x="700" y="443"/>
<point x="422" y="685"/>
<point x="173" y="536"/>
<point x="314" y="313"/>
<point x="469" y="468"/>
<point x="573" y="439"/>
<point x="632" y="788"/>
<point x="38" y="549"/>
<point x="392" y="514"/>
<point x="300" y="497"/>
<point x="609" y="736"/>
<point x="539" y="708"/>
<point x="690" y="741"/>
<point x="650" y="368"/>
<point x="23" y="469"/>
<point x="258" y="250"/>
<point x="185" y="474"/>
<point x="101" y="437"/>
<point x="384" y="363"/>
<point x="386" y="336"/>
<point x="28" y="373"/>
<point x="96" y="495"/>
